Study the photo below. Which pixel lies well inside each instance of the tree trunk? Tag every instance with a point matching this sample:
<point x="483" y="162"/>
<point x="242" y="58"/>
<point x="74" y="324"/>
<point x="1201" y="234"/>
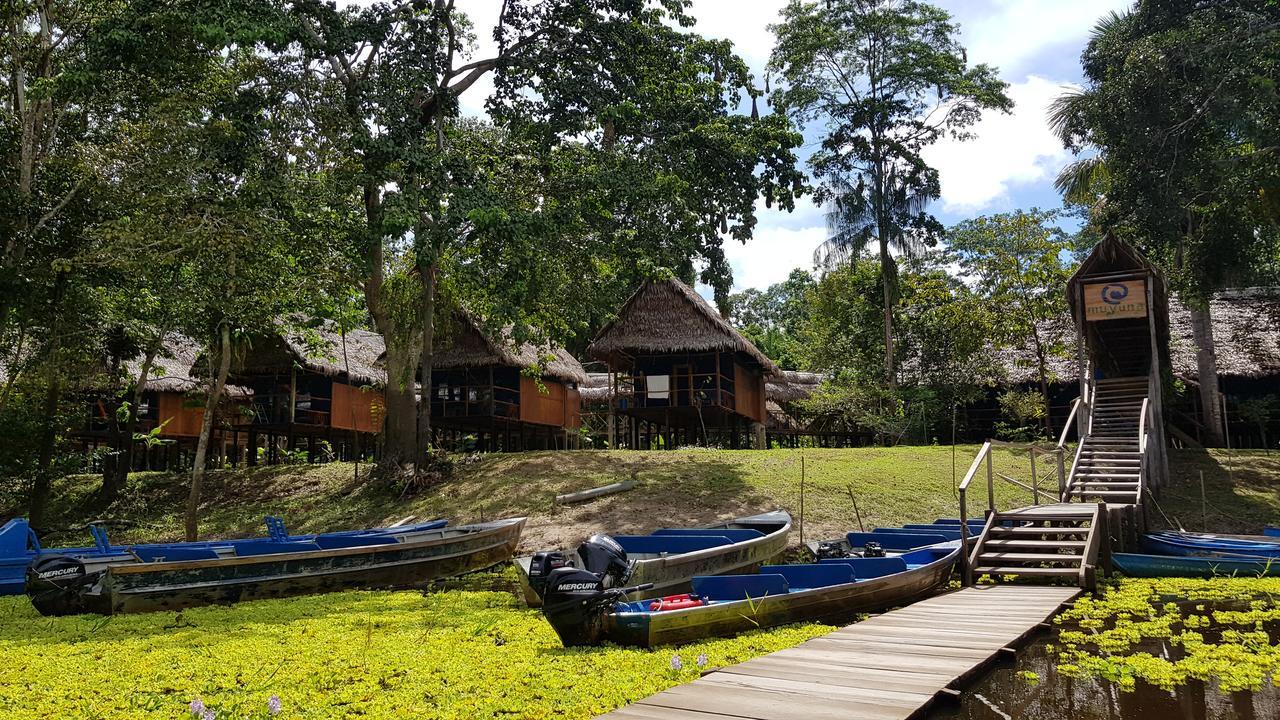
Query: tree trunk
<point x="43" y="484"/>
<point x="1207" y="364"/>
<point x="399" y="439"/>
<point x="885" y="272"/>
<point x="114" y="482"/>
<point x="206" y="431"/>
<point x="426" y="361"/>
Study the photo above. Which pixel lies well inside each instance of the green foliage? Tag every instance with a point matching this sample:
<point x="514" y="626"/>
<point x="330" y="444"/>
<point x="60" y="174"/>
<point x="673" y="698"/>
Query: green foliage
<point x="1024" y="413"/>
<point x="469" y="652"/>
<point x="1215" y="629"/>
<point x="773" y="319"/>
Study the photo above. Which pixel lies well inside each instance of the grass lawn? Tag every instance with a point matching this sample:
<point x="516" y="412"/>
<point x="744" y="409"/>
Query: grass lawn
<point x="471" y="652"/>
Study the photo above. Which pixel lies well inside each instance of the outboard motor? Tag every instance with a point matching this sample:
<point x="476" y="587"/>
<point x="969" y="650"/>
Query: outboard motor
<point x="603" y="556"/>
<point x="577" y="602"/>
<point x="56" y="583"/>
<point x="832" y="550"/>
<point x="872" y="549"/>
<point x="541" y="567"/>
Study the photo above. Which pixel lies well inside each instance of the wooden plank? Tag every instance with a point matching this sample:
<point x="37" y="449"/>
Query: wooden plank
<point x="888" y="667"/>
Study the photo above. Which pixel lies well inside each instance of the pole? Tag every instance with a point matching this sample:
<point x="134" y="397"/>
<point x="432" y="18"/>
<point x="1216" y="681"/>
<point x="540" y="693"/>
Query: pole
<point x="802" y="500"/>
<point x="856" y="512"/>
<point x="1204" y="506"/>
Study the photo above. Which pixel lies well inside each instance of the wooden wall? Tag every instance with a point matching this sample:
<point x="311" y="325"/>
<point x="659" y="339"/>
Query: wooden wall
<point x="748" y="391"/>
<point x="183" y="421"/>
<point x="356" y="409"/>
<point x="559" y="406"/>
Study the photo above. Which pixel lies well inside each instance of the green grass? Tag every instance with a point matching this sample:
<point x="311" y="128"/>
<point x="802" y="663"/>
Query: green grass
<point x="891" y="486"/>
<point x="471" y="652"/>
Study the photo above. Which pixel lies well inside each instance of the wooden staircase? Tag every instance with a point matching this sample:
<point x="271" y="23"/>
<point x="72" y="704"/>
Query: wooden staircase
<point x="1047" y="541"/>
<point x="1109" y="461"/>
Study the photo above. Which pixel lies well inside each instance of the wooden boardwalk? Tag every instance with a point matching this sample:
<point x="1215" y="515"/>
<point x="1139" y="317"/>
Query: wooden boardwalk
<point x="888" y="667"/>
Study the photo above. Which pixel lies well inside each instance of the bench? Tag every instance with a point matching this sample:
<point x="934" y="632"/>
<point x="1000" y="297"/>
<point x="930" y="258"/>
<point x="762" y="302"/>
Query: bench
<point x="670" y="544"/>
<point x="738" y="587"/>
<point x="269" y="547"/>
<point x="173" y="554"/>
<point x="332" y="542"/>
<point x="734" y="534"/>
<point x="895" y="541"/>
<point x="868" y="568"/>
<point x="812" y="575"/>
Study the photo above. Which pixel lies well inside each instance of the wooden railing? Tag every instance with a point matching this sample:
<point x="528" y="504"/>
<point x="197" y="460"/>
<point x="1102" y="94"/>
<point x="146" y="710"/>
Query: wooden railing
<point x="1144" y="420"/>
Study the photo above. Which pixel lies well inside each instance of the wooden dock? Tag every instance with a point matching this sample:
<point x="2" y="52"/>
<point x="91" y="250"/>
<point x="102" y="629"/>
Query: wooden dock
<point x="888" y="667"/>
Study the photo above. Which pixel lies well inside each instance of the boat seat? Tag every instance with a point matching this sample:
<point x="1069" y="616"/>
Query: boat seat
<point x="868" y="568"/>
<point x="1271" y="531"/>
<point x="895" y="541"/>
<point x="330" y="542"/>
<point x="734" y="534"/>
<point x="738" y="587"/>
<point x="13" y="538"/>
<point x="173" y="554"/>
<point x="811" y="575"/>
<point x="671" y="544"/>
<point x="419" y="527"/>
<point x="948" y="534"/>
<point x="268" y="547"/>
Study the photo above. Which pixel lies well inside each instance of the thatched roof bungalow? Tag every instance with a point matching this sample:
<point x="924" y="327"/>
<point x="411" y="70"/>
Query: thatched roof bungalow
<point x="681" y="369"/>
<point x="509" y="395"/>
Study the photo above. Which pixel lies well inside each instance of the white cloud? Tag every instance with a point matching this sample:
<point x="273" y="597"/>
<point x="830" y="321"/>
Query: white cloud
<point x="1015" y="31"/>
<point x="771" y="255"/>
<point x="1018" y="148"/>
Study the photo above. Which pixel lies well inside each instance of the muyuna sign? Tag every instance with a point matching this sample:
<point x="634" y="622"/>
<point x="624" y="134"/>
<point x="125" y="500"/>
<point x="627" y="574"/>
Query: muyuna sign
<point x="1115" y="300"/>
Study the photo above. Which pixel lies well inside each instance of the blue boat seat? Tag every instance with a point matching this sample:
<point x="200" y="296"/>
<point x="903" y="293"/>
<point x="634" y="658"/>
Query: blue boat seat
<point x="1271" y="531"/>
<point x="948" y="534"/>
<point x="895" y="541"/>
<point x="161" y="553"/>
<point x="269" y="547"/>
<point x="13" y="538"/>
<point x="671" y="544"/>
<point x="330" y="542"/>
<point x="868" y="568"/>
<point x="734" y="534"/>
<point x="739" y="587"/>
<point x="812" y="575"/>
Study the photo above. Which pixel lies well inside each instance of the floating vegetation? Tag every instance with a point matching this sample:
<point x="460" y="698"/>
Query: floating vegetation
<point x="471" y="651"/>
<point x="1169" y="631"/>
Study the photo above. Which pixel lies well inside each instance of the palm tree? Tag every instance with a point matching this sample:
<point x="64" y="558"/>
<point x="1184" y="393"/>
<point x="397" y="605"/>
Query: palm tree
<point x="889" y="215"/>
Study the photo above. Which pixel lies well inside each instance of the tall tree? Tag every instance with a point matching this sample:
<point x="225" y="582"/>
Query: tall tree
<point x="1176" y="131"/>
<point x="886" y="78"/>
<point x="774" y="318"/>
<point x="1015" y="262"/>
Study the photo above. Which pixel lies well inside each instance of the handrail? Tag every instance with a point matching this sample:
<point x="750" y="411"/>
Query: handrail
<point x="1066" y="427"/>
<point x="1143" y="467"/>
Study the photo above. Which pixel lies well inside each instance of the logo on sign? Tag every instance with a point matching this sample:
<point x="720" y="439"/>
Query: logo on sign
<point x="1114" y="294"/>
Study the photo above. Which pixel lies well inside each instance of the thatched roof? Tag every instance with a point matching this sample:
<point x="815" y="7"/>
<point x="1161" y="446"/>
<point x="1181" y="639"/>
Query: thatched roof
<point x="467" y="345"/>
<point x="1017" y="364"/>
<point x="597" y="388"/>
<point x="667" y="316"/>
<point x="321" y="351"/>
<point x="174" y="369"/>
<point x="791" y="385"/>
<point x="1246" y="333"/>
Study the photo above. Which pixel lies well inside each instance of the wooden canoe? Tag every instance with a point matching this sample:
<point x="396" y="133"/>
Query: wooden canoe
<point x="414" y="560"/>
<point x="671" y="573"/>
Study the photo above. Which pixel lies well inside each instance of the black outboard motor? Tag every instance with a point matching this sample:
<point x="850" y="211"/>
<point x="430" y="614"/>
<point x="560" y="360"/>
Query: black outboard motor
<point x="603" y="556"/>
<point x="831" y="550"/>
<point x="872" y="549"/>
<point x="541" y="567"/>
<point x="56" y="583"/>
<point x="575" y="604"/>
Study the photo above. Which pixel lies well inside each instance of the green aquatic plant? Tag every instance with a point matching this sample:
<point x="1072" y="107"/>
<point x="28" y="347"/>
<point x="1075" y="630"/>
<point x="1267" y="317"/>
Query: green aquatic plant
<point x="471" y="651"/>
<point x="1214" y="630"/>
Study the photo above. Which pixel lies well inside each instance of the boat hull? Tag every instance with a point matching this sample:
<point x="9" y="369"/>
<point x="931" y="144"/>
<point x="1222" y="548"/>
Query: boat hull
<point x="1139" y="565"/>
<point x="834" y="604"/>
<point x="1196" y="544"/>
<point x="672" y="574"/>
<point x="157" y="586"/>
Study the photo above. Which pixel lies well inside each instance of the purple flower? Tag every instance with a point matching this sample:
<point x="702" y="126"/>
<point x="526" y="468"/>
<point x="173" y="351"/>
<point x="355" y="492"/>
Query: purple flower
<point x="197" y="707"/>
<point x="702" y="660"/>
<point x="676" y="663"/>
<point x="274" y="705"/>
<point x="210" y="715"/>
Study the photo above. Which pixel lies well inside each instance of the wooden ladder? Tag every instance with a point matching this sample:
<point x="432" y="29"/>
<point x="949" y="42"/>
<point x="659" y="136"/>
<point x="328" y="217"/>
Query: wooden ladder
<point x="1046" y="541"/>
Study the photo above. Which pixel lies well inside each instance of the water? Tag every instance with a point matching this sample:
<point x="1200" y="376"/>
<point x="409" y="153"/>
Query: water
<point x="1005" y="692"/>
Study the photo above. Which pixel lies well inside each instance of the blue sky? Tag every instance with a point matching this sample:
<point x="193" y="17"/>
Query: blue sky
<point x="1011" y="163"/>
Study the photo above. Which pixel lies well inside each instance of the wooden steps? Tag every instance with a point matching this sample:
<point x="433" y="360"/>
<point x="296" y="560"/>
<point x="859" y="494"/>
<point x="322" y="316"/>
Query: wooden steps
<point x="1108" y="464"/>
<point x="1041" y="541"/>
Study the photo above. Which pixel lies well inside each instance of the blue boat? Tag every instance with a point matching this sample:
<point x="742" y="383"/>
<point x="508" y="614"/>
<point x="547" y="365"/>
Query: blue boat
<point x="584" y="612"/>
<point x="1138" y="565"/>
<point x="1194" y="544"/>
<point x="1271" y="531"/>
<point x="19" y="546"/>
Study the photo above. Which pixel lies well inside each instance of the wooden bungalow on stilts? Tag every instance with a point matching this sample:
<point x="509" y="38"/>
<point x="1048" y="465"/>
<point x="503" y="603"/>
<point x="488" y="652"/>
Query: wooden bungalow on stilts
<point x="681" y="373"/>
<point x="318" y="392"/>
<point x="490" y="393"/>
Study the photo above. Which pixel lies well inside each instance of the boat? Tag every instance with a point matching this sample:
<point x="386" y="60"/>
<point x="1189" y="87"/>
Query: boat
<point x="20" y="546"/>
<point x="892" y="540"/>
<point x="665" y="560"/>
<point x="1139" y="565"/>
<point x="583" y="612"/>
<point x="1167" y="542"/>
<point x="1270" y="531"/>
<point x="172" y="577"/>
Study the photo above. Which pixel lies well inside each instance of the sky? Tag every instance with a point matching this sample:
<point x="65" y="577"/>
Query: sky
<point x="1011" y="163"/>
